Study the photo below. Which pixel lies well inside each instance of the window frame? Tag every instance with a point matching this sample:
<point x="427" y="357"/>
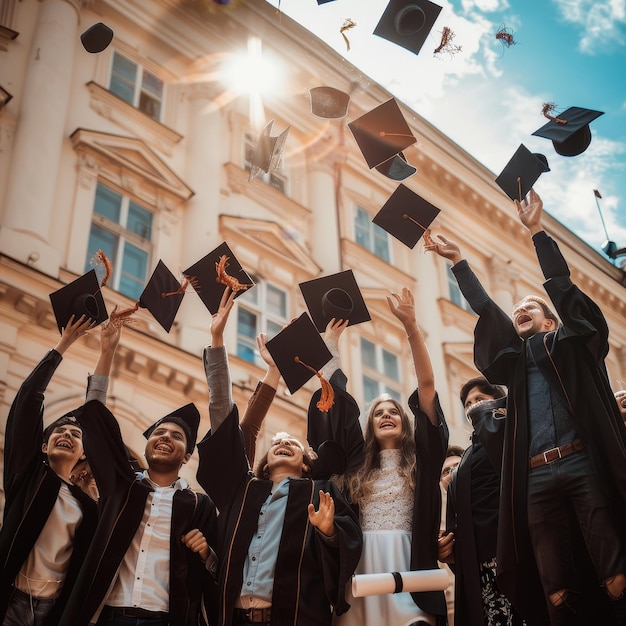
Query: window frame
<point x="376" y="373"/>
<point x="374" y="233"/>
<point x="455" y="296"/>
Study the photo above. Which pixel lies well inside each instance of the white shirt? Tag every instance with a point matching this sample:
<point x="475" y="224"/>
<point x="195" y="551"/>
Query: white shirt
<point x="143" y="578"/>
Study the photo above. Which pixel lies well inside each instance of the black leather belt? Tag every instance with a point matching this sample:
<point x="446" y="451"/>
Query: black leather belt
<point x="135" y="612"/>
<point x="253" y="616"/>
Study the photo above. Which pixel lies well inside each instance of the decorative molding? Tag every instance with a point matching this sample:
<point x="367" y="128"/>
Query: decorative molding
<point x="453" y="315"/>
<point x="133" y="161"/>
<point x="6" y="36"/>
<point x="132" y="119"/>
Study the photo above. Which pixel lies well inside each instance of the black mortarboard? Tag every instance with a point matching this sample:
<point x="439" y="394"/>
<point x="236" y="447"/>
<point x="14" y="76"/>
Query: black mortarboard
<point x="521" y="172"/>
<point x="408" y="22"/>
<point x="204" y="273"/>
<point x="268" y="151"/>
<point x="574" y="137"/>
<point x="298" y="341"/>
<point x="329" y="103"/>
<point x="162" y="296"/>
<point x="382" y="133"/>
<point x="406" y="216"/>
<point x="337" y="296"/>
<point x="80" y="297"/>
<point x="188" y="417"/>
<point x="96" y="38"/>
<point x="396" y="168"/>
<point x="324" y="1"/>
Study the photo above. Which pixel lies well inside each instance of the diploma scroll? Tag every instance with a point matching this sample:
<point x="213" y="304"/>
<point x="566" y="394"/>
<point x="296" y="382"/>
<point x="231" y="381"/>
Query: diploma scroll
<point x="397" y="582"/>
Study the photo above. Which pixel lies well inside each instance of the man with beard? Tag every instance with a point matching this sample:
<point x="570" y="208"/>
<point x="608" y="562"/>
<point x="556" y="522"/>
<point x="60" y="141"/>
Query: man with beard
<point x="564" y="443"/>
<point x="150" y="562"/>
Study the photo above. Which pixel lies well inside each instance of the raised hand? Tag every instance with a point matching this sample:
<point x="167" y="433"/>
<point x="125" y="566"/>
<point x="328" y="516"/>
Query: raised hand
<point x="333" y="332"/>
<point x="324" y="518"/>
<point x="218" y="321"/>
<point x="111" y="331"/>
<point x="73" y="331"/>
<point x="530" y="211"/>
<point x="446" y="248"/>
<point x="403" y="306"/>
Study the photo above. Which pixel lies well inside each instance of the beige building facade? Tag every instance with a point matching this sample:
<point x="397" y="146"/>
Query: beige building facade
<point x="144" y="151"/>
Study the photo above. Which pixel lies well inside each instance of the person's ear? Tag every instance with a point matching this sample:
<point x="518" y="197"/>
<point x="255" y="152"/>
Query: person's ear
<point x="549" y="324"/>
<point x="186" y="458"/>
<point x="44" y="448"/>
<point x="265" y="467"/>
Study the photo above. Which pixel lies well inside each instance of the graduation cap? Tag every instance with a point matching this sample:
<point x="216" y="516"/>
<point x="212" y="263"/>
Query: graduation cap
<point x="408" y="22"/>
<point x="163" y="295"/>
<point x="337" y="296"/>
<point x="96" y="38"/>
<point x="406" y="216"/>
<point x="221" y="264"/>
<point x="569" y="131"/>
<point x="80" y="297"/>
<point x="268" y="151"/>
<point x="187" y="417"/>
<point x="396" y="168"/>
<point x="324" y="1"/>
<point x="299" y="353"/>
<point x="521" y="172"/>
<point x="329" y="103"/>
<point x="382" y="133"/>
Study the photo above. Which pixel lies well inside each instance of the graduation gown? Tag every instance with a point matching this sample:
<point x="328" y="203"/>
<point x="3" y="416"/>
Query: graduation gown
<point x="31" y="489"/>
<point x="572" y="360"/>
<point x="310" y="574"/>
<point x="121" y="507"/>
<point x="341" y="425"/>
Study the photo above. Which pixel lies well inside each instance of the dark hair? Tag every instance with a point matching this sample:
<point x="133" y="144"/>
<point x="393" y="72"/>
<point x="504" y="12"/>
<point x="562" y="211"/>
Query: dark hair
<point x="547" y="311"/>
<point x="68" y="418"/>
<point x="496" y="391"/>
<point x="308" y="458"/>
<point x="454" y="451"/>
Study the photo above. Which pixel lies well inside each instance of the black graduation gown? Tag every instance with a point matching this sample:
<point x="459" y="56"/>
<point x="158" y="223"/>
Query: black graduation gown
<point x="31" y="489"/>
<point x="341" y="424"/>
<point x="310" y="574"/>
<point x="121" y="507"/>
<point x="572" y="360"/>
<point x="487" y="443"/>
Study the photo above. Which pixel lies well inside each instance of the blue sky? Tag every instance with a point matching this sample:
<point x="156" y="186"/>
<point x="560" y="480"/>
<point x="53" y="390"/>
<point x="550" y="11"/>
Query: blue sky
<point x="488" y="98"/>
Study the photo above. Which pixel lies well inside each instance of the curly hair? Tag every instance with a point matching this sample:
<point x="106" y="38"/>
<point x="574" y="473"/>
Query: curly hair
<point x="308" y="458"/>
<point x="358" y="485"/>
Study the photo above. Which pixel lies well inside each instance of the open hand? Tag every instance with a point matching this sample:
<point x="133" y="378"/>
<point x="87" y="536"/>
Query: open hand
<point x="323" y="518"/>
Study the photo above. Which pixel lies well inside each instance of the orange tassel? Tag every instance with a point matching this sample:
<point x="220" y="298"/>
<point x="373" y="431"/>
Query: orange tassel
<point x="327" y="399"/>
<point x="100" y="259"/>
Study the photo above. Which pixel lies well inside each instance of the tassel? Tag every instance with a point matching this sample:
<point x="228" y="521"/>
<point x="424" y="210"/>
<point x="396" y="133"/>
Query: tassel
<point x="100" y="259"/>
<point x="547" y="109"/>
<point x="327" y="398"/>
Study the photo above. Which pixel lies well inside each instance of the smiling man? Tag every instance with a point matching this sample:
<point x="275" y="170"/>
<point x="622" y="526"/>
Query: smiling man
<point x="289" y="543"/>
<point x="48" y="522"/>
<point x="564" y="440"/>
<point x="150" y="562"/>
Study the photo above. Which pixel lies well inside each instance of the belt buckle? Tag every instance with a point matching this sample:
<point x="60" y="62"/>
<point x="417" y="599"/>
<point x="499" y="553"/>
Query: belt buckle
<point x="545" y="455"/>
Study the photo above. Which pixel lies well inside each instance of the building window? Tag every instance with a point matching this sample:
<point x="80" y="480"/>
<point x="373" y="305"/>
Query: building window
<point x="262" y="309"/>
<point x="370" y="235"/>
<point x="135" y="85"/>
<point x="276" y="178"/>
<point x="381" y="371"/>
<point x="454" y="292"/>
<point x="122" y="229"/>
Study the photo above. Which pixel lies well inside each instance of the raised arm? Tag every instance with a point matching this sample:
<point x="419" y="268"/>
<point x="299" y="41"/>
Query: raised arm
<point x="216" y="364"/>
<point x="403" y="307"/>
<point x="98" y="382"/>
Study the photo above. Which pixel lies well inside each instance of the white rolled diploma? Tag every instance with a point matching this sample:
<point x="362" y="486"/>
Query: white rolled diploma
<point x="378" y="584"/>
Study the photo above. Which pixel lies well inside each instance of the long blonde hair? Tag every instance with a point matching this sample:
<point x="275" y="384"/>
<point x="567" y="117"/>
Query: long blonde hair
<point x="359" y="484"/>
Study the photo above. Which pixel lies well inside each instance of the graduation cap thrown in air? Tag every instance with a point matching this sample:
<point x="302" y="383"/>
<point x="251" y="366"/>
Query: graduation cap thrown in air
<point x="329" y="103"/>
<point x="338" y="296"/>
<point x="296" y="350"/>
<point x="268" y="151"/>
<point x="80" y="297"/>
<point x="163" y="295"/>
<point x="187" y="417"/>
<point x="569" y="131"/>
<point x="205" y="275"/>
<point x="522" y="172"/>
<point x="406" y="216"/>
<point x="396" y="168"/>
<point x="96" y="38"/>
<point x="407" y="23"/>
<point x="382" y="133"/>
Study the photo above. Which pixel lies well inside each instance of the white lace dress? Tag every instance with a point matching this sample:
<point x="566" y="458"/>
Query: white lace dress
<point x="386" y="520"/>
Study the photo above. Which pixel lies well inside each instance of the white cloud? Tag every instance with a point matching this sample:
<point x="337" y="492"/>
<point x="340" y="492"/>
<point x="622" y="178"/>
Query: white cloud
<point x="484" y="5"/>
<point x="602" y="23"/>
